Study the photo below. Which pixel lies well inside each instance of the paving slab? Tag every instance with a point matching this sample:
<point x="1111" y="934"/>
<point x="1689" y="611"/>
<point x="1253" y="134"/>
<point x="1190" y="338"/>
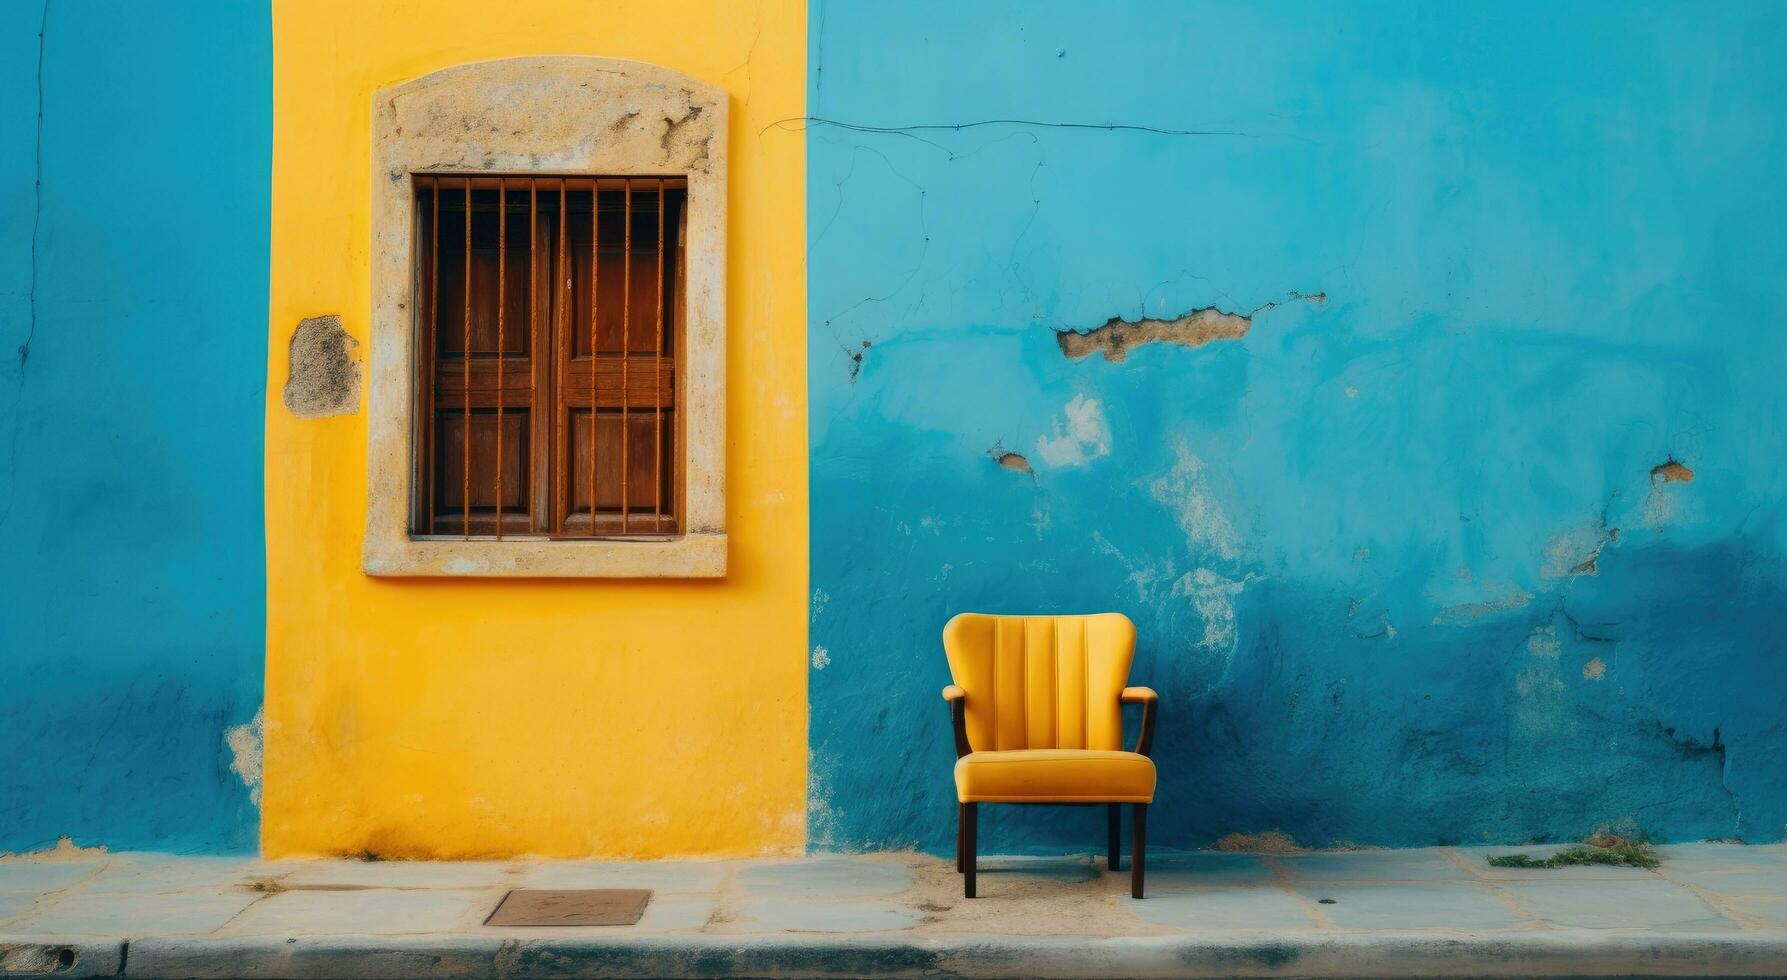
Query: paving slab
<point x="146" y="874"/>
<point x="827" y="915"/>
<point x="1426" y="864"/>
<point x="42" y="876"/>
<point x="662" y="877"/>
<point x="1413" y="905"/>
<point x="129" y="916"/>
<point x="1649" y="904"/>
<point x="1229" y="910"/>
<point x="833" y="877"/>
<point x="396" y="874"/>
<point x="1765" y="883"/>
<point x="1201" y="870"/>
<point x="365" y="912"/>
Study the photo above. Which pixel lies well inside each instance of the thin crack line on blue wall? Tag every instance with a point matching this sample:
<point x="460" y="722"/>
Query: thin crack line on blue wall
<point x="978" y="123"/>
<point x="12" y="448"/>
<point x="43" y="24"/>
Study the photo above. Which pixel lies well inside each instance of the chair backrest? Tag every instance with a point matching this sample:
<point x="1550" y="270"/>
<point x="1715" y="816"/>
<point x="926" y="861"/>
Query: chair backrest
<point x="1041" y="682"/>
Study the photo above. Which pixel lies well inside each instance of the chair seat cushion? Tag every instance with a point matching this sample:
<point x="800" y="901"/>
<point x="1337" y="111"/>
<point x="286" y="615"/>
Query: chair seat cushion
<point x="1054" y="776"/>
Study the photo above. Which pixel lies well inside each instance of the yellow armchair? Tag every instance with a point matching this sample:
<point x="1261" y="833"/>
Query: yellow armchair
<point x="1037" y="706"/>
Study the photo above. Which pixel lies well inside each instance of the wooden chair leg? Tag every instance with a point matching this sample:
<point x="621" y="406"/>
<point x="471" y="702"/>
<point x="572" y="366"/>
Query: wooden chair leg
<point x="1113" y="836"/>
<point x="961" y="829"/>
<point x="969" y="819"/>
<point x="1139" y="847"/>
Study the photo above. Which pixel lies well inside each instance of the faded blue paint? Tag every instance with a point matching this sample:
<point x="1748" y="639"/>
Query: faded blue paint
<point x="132" y="620"/>
<point x="1551" y="244"/>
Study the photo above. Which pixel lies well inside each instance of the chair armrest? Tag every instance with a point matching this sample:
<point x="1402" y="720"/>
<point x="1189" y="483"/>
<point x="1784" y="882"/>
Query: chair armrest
<point x="1150" y="703"/>
<point x="958" y="717"/>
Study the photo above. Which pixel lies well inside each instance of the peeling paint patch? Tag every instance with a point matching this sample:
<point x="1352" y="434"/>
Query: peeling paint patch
<point x="1213" y="597"/>
<point x="1016" y="462"/>
<point x="1594" y="670"/>
<point x="1083" y="438"/>
<point x="1671" y="471"/>
<point x="325" y="375"/>
<point x="1542" y="642"/>
<point x="1513" y="599"/>
<point x="246" y="744"/>
<point x="1186" y="492"/>
<point x="1117" y="337"/>
<point x="821" y="658"/>
<point x="65" y="850"/>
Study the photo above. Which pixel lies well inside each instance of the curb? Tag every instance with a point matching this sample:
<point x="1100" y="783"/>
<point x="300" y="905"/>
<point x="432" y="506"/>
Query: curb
<point x="1406" y="954"/>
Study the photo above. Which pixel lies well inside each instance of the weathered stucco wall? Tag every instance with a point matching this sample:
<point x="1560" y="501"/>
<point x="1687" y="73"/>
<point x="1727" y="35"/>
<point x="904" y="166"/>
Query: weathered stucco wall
<point x="459" y="718"/>
<point x="1443" y="296"/>
<point x="132" y="301"/>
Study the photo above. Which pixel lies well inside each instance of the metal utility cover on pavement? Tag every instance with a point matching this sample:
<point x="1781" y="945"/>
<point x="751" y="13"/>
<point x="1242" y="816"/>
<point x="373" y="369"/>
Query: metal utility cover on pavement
<point x="570" y="907"/>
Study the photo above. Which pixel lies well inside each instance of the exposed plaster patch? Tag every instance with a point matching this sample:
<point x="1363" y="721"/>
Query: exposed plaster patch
<point x="1578" y="550"/>
<point x="325" y="373"/>
<point x="246" y="744"/>
<point x="821" y="658"/>
<point x="1213" y="597"/>
<point x="820" y="598"/>
<point x="1352" y="392"/>
<point x="1194" y="329"/>
<point x="1542" y="642"/>
<point x="1186" y="492"/>
<point x="1083" y="438"/>
<point x="1660" y="506"/>
<point x="1010" y="460"/>
<point x="1594" y="670"/>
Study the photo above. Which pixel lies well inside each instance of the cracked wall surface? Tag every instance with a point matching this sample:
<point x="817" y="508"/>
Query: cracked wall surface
<point x="1410" y="565"/>
<point x="131" y="618"/>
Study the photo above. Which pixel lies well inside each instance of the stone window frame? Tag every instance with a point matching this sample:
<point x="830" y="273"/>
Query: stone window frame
<point x="557" y="116"/>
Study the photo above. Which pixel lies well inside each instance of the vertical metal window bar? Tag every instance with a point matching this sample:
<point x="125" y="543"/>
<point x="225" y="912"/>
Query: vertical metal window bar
<point x="595" y="351"/>
<point x="658" y="376"/>
<point x="465" y="356"/>
<point x="502" y="350"/>
<point x="626" y="349"/>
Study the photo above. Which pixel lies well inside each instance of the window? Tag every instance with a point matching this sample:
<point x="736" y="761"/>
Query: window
<point x="546" y="393"/>
<point x="548" y="373"/>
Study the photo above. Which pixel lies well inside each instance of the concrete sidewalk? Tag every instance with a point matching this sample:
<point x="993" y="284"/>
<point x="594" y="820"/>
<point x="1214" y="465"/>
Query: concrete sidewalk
<point x="1712" y="909"/>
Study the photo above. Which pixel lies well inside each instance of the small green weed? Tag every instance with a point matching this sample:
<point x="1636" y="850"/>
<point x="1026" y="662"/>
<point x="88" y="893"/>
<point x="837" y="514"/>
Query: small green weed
<point x="1599" y="849"/>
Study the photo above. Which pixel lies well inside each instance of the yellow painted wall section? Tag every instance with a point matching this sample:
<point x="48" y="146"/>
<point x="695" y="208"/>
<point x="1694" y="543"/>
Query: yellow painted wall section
<point x="483" y="718"/>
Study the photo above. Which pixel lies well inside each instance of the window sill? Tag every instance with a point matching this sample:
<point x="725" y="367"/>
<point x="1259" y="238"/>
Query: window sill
<point x="690" y="556"/>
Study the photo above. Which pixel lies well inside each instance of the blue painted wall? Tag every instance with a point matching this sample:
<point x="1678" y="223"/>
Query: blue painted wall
<point x="131" y="419"/>
<point x="1370" y="545"/>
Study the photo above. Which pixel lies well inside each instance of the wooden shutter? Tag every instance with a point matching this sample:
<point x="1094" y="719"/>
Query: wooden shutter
<point x="550" y="337"/>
